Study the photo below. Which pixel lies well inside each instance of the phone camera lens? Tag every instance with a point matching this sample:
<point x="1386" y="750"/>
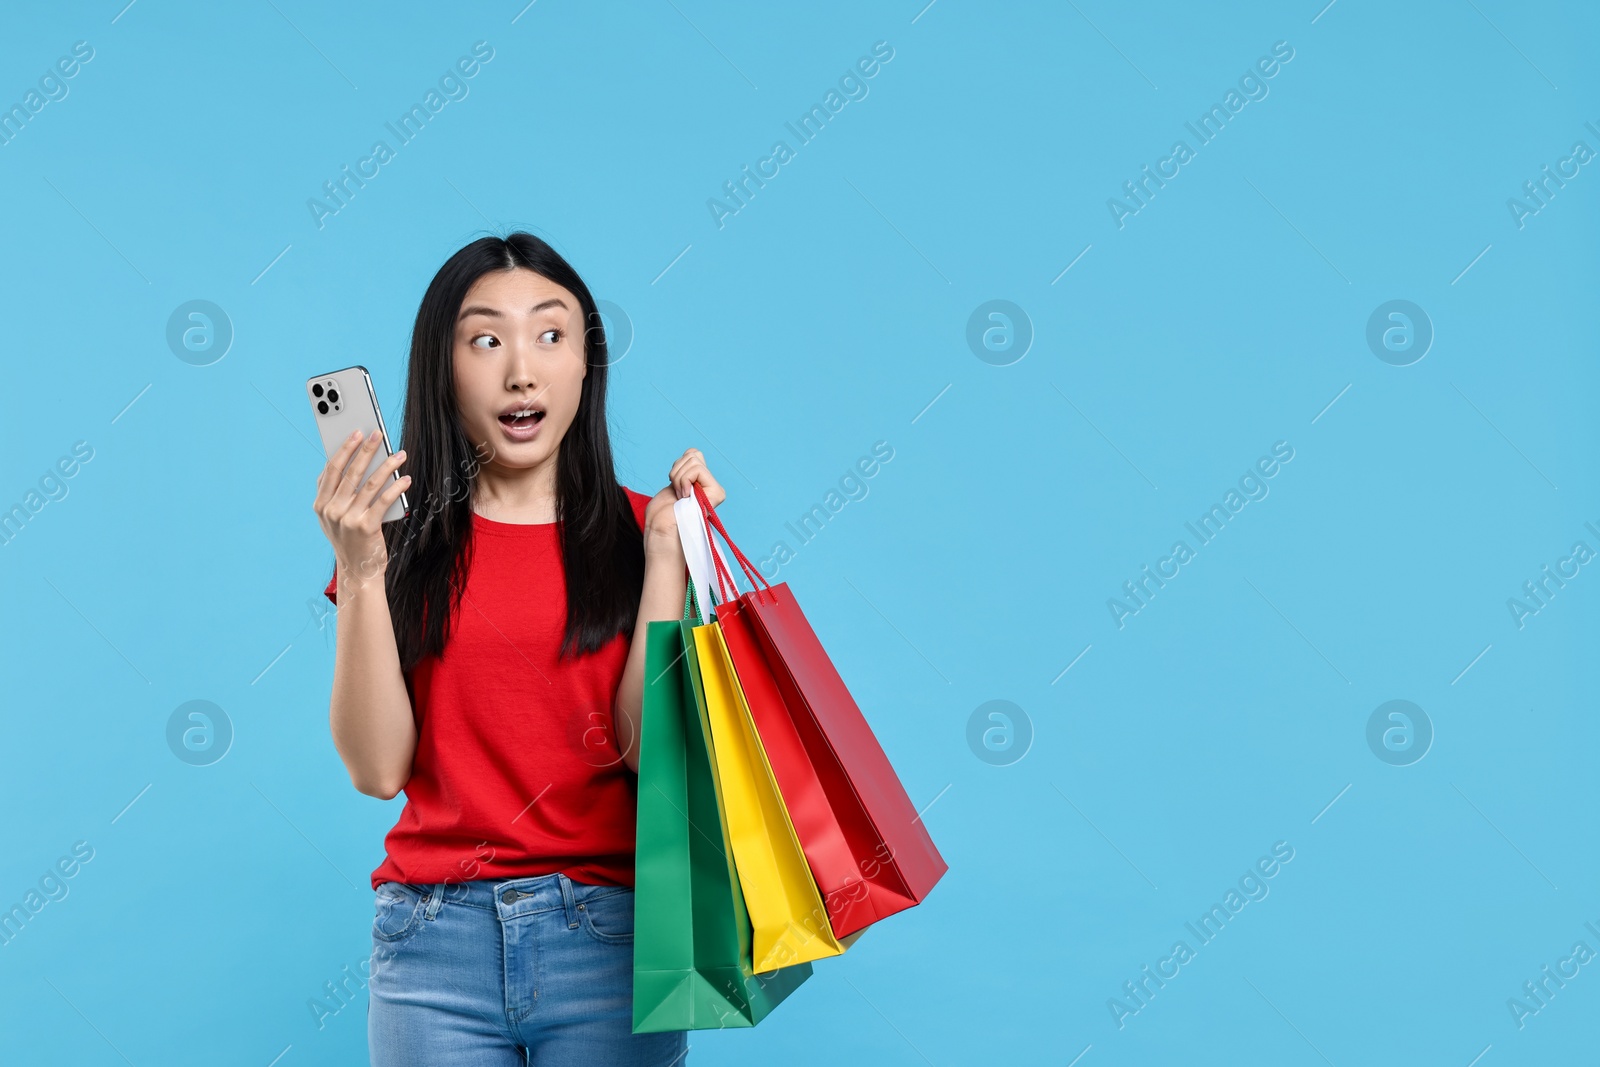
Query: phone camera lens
<point x="316" y="390"/>
<point x="333" y="394"/>
<point x="322" y="407"/>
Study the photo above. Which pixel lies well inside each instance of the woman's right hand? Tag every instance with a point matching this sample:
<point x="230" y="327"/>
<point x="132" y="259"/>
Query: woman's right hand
<point x="351" y="511"/>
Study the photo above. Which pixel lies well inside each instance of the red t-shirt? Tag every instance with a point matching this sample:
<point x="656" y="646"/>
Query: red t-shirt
<point x="517" y="769"/>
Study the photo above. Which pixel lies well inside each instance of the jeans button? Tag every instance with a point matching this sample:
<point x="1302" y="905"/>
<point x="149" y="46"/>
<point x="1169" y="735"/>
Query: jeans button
<point x="509" y="896"/>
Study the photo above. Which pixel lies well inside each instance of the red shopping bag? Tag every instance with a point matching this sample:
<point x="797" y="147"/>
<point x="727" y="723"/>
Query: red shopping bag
<point x="866" y="846"/>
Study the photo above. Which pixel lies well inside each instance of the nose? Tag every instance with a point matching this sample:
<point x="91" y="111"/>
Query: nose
<point x="526" y="389"/>
<point x="519" y="372"/>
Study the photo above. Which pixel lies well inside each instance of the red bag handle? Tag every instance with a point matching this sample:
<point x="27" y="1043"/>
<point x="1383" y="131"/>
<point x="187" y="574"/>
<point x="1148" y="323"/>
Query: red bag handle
<point x="727" y="588"/>
<point x="715" y="522"/>
<point x="725" y="580"/>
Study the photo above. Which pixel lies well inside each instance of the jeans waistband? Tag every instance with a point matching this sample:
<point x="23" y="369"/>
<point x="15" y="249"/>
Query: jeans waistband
<point x="511" y="897"/>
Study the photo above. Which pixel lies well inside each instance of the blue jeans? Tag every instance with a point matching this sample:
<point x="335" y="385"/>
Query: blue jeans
<point x="508" y="973"/>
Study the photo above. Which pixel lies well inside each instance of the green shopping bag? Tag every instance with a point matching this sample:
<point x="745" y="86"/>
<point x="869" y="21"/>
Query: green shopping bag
<point x="692" y="962"/>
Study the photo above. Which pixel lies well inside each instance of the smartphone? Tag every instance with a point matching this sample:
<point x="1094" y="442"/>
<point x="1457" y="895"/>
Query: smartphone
<point x="343" y="402"/>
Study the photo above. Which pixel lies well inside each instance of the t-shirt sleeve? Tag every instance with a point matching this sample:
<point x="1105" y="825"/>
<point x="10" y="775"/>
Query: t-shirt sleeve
<point x="639" y="502"/>
<point x="332" y="588"/>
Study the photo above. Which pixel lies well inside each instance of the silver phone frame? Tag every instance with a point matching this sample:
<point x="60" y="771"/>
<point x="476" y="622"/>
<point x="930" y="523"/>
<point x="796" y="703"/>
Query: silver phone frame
<point x="377" y="408"/>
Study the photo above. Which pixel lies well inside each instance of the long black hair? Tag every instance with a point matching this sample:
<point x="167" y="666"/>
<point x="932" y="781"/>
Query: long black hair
<point x="602" y="547"/>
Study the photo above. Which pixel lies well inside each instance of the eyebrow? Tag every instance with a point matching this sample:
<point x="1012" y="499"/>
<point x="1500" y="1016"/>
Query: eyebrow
<point x="479" y="309"/>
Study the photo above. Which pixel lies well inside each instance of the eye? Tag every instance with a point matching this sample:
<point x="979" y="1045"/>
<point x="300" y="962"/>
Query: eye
<point x="482" y="336"/>
<point x="559" y="334"/>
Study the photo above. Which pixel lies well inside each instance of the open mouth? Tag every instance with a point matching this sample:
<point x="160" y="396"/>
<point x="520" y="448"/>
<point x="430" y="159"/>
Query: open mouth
<point x="523" y="418"/>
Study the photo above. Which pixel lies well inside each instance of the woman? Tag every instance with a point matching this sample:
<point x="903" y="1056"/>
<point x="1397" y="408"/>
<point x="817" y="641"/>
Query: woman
<point x="490" y="663"/>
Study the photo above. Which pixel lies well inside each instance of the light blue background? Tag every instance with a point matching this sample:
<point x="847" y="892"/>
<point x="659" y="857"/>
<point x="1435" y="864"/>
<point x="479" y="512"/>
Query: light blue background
<point x="1228" y="314"/>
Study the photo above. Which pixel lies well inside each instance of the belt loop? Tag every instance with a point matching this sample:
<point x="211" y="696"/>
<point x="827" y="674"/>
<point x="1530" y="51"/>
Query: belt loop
<point x="435" y="899"/>
<point x="569" y="900"/>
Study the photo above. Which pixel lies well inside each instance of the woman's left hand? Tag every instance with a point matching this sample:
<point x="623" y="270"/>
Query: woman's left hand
<point x="660" y="523"/>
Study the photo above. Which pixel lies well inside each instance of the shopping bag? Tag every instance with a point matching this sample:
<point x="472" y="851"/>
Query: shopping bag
<point x="692" y="962"/>
<point x="786" y="910"/>
<point x="867" y="847"/>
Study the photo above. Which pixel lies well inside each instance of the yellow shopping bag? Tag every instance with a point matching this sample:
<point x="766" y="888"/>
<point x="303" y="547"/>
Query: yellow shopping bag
<point x="786" y="910"/>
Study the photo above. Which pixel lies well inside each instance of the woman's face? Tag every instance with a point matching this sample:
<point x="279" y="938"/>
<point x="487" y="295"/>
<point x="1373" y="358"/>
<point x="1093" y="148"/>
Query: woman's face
<point x="518" y="347"/>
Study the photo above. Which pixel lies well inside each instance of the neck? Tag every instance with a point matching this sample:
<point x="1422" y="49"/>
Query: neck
<point x="517" y="494"/>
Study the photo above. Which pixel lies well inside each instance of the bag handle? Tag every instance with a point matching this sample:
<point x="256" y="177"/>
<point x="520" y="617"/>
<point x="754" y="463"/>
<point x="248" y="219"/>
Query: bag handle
<point x="724" y="578"/>
<point x="705" y="562"/>
<point x="691" y="607"/>
<point x="757" y="581"/>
